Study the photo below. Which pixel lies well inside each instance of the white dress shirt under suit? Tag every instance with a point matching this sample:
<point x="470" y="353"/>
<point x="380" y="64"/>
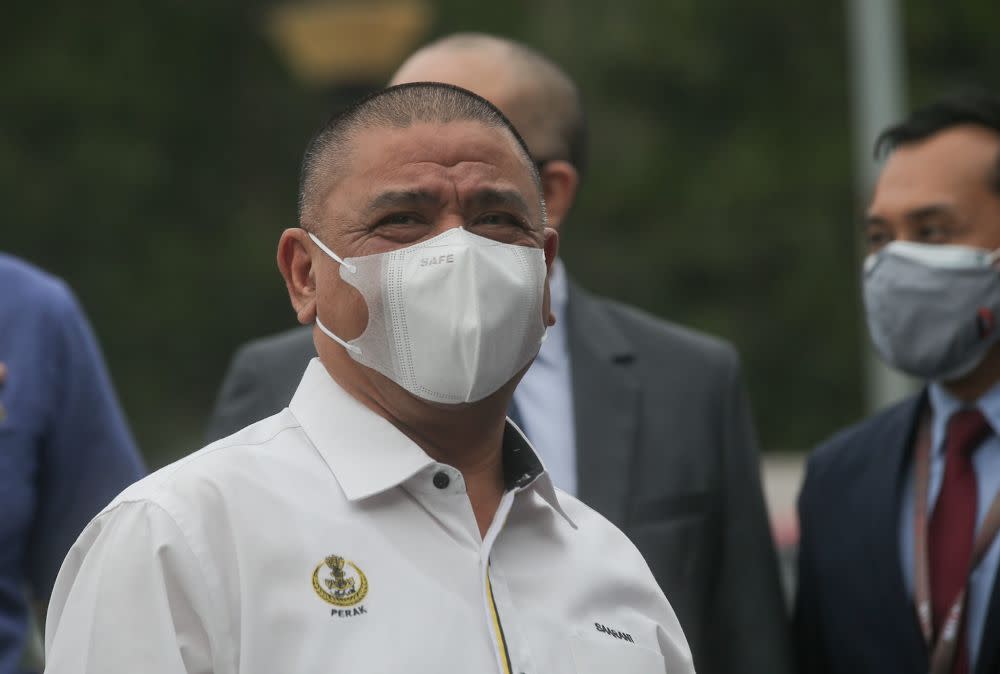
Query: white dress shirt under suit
<point x="544" y="397"/>
<point x="323" y="540"/>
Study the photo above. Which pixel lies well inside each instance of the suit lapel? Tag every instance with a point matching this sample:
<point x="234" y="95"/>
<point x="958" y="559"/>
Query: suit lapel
<point x="605" y="404"/>
<point x="894" y="446"/>
<point x="989" y="644"/>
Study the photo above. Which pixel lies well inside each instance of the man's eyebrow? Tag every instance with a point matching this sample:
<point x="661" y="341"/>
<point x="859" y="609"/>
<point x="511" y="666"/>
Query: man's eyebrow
<point x="494" y="198"/>
<point x="933" y="210"/>
<point x="871" y="220"/>
<point x="917" y="214"/>
<point x="402" y="199"/>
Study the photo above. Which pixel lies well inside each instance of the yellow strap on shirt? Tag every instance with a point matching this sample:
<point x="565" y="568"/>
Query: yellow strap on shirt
<point x="497" y="628"/>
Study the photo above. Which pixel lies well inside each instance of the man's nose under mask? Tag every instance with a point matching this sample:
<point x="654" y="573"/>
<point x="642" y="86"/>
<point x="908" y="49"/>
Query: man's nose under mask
<point x="450" y="319"/>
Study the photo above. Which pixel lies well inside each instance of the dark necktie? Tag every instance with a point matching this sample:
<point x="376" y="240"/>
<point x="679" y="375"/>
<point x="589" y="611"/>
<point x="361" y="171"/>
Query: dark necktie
<point x="953" y="524"/>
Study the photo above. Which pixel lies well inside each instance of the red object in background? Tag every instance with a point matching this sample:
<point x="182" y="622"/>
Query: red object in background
<point x="987" y="322"/>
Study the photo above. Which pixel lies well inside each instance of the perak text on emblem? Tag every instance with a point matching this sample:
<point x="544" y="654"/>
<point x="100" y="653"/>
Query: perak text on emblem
<point x="343" y="584"/>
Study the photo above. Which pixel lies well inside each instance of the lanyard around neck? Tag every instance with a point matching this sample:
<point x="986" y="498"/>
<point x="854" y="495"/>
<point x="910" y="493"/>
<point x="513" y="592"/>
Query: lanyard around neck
<point x="943" y="649"/>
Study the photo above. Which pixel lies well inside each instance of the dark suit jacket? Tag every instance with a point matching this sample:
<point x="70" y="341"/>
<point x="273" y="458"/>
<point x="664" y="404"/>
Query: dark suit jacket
<point x="666" y="452"/>
<point x="854" y="614"/>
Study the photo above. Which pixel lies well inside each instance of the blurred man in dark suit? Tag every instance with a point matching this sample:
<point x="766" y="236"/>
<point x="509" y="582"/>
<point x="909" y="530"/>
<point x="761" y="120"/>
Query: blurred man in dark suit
<point x="899" y="513"/>
<point x="644" y="420"/>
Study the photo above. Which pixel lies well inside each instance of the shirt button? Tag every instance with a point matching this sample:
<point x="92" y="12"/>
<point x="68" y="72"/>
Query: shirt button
<point x="441" y="480"/>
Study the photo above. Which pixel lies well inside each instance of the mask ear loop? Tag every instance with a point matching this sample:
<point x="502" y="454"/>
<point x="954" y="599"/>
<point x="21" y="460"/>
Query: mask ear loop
<point x="322" y="246"/>
<point x="352" y="269"/>
<point x="326" y="331"/>
<point x="870" y="262"/>
<point x="993" y="257"/>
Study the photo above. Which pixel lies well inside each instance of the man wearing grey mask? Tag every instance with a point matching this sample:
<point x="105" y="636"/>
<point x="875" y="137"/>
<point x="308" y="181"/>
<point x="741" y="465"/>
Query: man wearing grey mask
<point x="899" y="513"/>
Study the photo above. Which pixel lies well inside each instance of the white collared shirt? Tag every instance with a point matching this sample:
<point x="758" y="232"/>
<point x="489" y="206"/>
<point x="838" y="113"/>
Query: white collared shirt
<point x="323" y="540"/>
<point x="544" y="397"/>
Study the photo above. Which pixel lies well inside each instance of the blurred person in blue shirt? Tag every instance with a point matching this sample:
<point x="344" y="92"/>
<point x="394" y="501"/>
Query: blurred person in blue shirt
<point x="65" y="448"/>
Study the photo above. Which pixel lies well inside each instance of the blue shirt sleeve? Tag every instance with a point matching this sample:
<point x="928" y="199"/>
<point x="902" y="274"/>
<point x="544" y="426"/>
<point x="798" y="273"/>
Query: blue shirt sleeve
<point x="85" y="452"/>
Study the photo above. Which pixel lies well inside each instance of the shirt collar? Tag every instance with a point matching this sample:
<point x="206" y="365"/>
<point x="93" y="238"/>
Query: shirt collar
<point x="368" y="455"/>
<point x="523" y="468"/>
<point x="944" y="405"/>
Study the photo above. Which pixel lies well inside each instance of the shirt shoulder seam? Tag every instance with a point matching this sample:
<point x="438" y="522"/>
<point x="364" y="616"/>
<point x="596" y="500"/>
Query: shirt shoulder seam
<point x="185" y="538"/>
<point x="181" y="465"/>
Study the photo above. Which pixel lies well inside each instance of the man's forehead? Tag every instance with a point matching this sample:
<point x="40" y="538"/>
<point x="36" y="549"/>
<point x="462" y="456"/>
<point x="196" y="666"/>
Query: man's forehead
<point x="937" y="174"/>
<point x="490" y="149"/>
<point x="447" y="134"/>
<point x="431" y="156"/>
<point x="959" y="155"/>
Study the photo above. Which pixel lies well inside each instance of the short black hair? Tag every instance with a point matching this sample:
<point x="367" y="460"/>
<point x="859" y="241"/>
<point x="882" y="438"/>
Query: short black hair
<point x="972" y="106"/>
<point x="396" y="107"/>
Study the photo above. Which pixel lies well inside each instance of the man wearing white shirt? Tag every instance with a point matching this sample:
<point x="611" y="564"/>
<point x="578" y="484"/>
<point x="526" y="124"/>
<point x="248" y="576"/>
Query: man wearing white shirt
<point x="390" y="520"/>
<point x="644" y="420"/>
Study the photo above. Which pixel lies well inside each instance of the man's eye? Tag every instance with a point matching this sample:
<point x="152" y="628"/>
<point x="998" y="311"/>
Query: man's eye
<point x="877" y="239"/>
<point x="500" y="219"/>
<point x="934" y="233"/>
<point x="400" y="219"/>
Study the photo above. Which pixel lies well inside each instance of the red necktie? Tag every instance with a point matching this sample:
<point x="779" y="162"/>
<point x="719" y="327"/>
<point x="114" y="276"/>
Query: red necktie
<point x="952" y="527"/>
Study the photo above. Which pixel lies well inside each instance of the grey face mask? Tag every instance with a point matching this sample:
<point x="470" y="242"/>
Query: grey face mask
<point x="932" y="309"/>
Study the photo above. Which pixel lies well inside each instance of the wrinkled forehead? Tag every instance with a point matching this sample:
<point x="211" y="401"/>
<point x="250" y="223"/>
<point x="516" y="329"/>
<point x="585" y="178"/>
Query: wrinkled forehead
<point x="459" y="149"/>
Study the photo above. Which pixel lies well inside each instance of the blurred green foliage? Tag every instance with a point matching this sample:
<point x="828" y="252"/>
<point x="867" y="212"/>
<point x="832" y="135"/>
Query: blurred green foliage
<point x="149" y="155"/>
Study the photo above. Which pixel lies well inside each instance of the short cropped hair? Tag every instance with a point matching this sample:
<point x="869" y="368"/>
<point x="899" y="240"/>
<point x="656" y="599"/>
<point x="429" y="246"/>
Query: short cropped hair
<point x="971" y="107"/>
<point x="327" y="153"/>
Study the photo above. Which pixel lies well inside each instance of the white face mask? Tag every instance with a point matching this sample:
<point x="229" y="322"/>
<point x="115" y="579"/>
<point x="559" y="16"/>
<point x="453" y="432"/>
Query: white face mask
<point x="450" y="319"/>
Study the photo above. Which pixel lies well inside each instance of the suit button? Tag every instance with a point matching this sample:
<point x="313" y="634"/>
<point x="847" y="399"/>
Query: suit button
<point x="441" y="480"/>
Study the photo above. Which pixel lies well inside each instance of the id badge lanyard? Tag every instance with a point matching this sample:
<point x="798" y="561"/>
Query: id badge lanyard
<point x="944" y="648"/>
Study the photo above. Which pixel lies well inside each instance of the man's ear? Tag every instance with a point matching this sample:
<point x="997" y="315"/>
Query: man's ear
<point x="295" y="263"/>
<point x="551" y="248"/>
<point x="559" y="183"/>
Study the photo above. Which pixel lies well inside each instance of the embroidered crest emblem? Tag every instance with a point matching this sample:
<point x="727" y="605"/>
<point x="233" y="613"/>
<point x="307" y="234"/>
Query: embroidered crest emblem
<point x="339" y="582"/>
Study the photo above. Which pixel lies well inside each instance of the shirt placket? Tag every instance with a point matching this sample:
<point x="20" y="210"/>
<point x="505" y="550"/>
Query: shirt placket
<point x="509" y="645"/>
<point x="494" y="619"/>
<point x="495" y="598"/>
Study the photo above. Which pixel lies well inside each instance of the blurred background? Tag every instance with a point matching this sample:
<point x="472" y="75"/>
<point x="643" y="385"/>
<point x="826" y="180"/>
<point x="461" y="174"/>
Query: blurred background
<point x="149" y="154"/>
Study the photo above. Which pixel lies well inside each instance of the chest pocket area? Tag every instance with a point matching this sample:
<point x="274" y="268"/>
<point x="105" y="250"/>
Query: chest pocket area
<point x="591" y="656"/>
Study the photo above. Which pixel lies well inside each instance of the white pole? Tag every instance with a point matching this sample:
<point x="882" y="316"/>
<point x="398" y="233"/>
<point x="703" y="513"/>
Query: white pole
<point x="878" y="100"/>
